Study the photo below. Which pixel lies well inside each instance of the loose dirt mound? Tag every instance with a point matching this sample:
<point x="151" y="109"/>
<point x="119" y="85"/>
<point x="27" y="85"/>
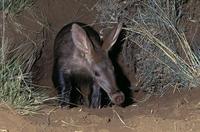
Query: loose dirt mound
<point x="174" y="112"/>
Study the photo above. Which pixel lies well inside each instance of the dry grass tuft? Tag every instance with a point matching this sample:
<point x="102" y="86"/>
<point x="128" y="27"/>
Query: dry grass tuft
<point x="16" y="87"/>
<point x="15" y="6"/>
<point x="164" y="57"/>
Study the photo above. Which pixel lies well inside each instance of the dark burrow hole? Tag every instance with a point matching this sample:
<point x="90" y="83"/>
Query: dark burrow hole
<point x="121" y="79"/>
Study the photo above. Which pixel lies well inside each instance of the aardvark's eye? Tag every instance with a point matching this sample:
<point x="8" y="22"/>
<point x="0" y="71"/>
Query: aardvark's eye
<point x="96" y="74"/>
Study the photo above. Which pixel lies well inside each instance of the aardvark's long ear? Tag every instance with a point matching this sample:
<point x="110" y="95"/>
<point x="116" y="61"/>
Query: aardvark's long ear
<point x="110" y="40"/>
<point x="81" y="40"/>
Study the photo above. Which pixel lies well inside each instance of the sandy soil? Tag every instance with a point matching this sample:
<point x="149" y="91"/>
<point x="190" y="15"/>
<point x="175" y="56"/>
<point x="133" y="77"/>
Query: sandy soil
<point x="173" y="112"/>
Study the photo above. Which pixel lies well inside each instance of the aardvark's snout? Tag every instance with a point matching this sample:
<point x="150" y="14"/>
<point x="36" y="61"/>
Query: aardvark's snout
<point x="117" y="98"/>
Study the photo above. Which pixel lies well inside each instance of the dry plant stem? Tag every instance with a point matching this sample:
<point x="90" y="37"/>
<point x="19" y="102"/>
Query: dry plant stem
<point x="122" y="120"/>
<point x="70" y="124"/>
<point x="78" y="126"/>
<point x="49" y="114"/>
<point x="3" y="36"/>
